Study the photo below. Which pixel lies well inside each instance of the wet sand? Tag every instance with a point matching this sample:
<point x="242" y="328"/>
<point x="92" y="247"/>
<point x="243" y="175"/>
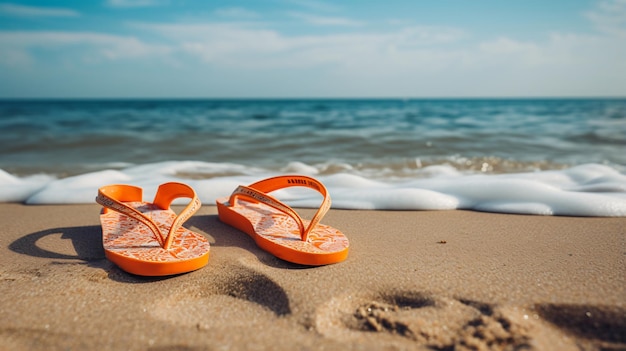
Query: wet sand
<point x="443" y="280"/>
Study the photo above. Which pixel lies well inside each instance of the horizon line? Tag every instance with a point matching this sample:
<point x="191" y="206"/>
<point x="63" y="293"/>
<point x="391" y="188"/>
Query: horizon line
<point x="406" y="98"/>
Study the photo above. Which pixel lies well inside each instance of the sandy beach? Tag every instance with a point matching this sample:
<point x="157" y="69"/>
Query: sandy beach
<point x="432" y="280"/>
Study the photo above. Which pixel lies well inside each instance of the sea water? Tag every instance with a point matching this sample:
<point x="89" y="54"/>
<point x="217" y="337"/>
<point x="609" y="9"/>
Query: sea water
<point x="528" y="156"/>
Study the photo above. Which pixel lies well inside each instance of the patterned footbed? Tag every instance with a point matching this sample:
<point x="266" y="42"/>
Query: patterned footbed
<point x="281" y="229"/>
<point x="131" y="238"/>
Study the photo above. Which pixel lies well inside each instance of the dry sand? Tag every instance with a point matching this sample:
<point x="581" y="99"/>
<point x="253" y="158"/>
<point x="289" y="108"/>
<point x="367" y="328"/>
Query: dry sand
<point x="442" y="280"/>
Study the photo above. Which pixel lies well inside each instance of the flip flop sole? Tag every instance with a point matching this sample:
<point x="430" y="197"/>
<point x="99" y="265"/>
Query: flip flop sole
<point x="131" y="245"/>
<point x="278" y="234"/>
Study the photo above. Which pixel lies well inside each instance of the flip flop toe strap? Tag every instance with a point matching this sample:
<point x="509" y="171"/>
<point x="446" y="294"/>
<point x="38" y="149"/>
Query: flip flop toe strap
<point x="112" y="197"/>
<point x="258" y="192"/>
<point x="165" y="195"/>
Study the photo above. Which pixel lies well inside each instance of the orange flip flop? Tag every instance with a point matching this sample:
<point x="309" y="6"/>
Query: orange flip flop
<point x="278" y="229"/>
<point x="148" y="238"/>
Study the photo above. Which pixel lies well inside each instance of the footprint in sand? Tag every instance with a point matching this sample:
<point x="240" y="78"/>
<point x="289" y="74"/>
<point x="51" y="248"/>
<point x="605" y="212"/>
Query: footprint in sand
<point x="415" y="320"/>
<point x="597" y="327"/>
<point x="238" y="299"/>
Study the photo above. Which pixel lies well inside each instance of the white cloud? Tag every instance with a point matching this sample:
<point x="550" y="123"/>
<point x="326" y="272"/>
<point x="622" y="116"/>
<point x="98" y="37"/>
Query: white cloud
<point x="413" y="60"/>
<point x="427" y="35"/>
<point x="134" y="3"/>
<point x="32" y="11"/>
<point x="511" y="50"/>
<point x="610" y="17"/>
<point x="12" y="57"/>
<point x="558" y="51"/>
<point x="246" y="45"/>
<point x="220" y="39"/>
<point x="96" y="46"/>
<point x="325" y="20"/>
<point x="236" y="13"/>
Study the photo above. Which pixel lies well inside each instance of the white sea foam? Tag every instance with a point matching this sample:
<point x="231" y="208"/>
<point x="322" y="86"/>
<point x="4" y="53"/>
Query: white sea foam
<point x="14" y="189"/>
<point x="585" y="190"/>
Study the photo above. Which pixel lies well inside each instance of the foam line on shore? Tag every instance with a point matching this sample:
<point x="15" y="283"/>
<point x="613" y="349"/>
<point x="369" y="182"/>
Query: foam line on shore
<point x="585" y="190"/>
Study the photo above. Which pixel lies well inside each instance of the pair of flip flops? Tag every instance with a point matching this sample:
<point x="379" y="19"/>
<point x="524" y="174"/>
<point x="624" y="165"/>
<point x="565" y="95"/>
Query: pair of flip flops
<point x="148" y="239"/>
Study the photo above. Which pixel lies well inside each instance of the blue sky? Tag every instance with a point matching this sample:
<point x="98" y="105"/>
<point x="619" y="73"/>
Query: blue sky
<point x="310" y="48"/>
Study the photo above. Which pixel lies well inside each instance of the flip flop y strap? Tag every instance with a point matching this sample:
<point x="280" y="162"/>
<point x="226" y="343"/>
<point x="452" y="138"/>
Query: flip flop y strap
<point x="113" y="197"/>
<point x="258" y="192"/>
<point x="165" y="195"/>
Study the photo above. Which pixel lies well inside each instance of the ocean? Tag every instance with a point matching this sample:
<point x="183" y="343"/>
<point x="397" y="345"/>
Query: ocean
<point x="526" y="156"/>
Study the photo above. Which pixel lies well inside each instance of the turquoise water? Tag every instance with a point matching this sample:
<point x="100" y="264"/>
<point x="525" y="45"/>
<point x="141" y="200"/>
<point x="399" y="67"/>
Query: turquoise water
<point x="379" y="137"/>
